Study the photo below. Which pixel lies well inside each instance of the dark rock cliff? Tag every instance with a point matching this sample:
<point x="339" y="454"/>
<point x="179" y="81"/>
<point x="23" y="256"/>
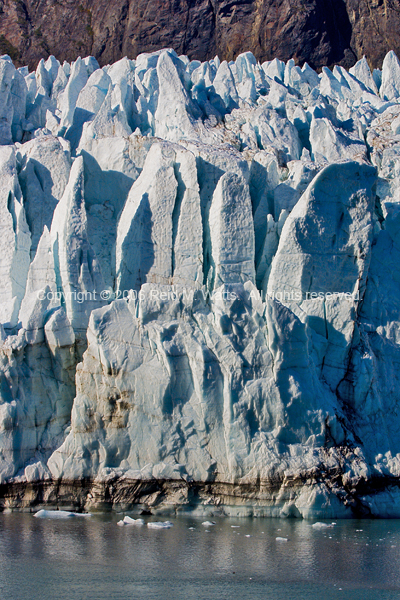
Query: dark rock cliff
<point x="321" y="32"/>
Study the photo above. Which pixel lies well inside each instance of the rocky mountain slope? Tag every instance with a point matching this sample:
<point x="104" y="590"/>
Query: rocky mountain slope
<point x="199" y="286"/>
<point x="321" y="32"/>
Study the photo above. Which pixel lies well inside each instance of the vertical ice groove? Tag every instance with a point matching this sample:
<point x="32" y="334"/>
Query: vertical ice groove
<point x="176" y="213"/>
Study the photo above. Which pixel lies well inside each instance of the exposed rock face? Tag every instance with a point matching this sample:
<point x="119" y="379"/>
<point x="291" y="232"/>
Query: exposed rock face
<point x="199" y="279"/>
<point x="321" y="32"/>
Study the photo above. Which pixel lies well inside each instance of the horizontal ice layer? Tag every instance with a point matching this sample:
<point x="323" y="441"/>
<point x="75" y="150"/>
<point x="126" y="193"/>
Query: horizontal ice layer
<point x="199" y="283"/>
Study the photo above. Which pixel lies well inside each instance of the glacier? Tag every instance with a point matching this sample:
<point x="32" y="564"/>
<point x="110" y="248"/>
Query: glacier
<point x="200" y="287"/>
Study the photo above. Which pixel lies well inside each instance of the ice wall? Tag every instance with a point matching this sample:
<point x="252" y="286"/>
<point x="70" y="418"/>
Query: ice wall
<point x="200" y="280"/>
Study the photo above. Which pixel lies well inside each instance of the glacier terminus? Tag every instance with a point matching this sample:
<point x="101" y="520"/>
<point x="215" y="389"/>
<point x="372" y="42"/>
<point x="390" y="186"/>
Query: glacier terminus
<point x="200" y="287"/>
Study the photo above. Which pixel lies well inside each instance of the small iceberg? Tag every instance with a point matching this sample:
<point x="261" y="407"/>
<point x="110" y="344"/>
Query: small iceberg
<point x="130" y="521"/>
<point x="160" y="525"/>
<point x="208" y="523"/>
<point x="281" y="539"/>
<point x="58" y="514"/>
<point x="322" y="526"/>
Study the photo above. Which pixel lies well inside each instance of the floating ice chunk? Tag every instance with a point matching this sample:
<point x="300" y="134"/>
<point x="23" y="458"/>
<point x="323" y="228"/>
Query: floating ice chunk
<point x="208" y="523"/>
<point x="129" y="521"/>
<point x="59" y="514"/>
<point x="160" y="525"/>
<point x="281" y="539"/>
<point x="320" y="525"/>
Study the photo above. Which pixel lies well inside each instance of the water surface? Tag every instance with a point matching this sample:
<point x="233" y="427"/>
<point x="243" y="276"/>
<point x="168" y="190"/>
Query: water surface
<point x="93" y="558"/>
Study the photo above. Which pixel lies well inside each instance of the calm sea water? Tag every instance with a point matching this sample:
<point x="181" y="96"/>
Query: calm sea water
<point x="93" y="558"/>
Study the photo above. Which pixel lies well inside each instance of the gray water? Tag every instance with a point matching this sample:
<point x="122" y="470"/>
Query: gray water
<point x="93" y="558"/>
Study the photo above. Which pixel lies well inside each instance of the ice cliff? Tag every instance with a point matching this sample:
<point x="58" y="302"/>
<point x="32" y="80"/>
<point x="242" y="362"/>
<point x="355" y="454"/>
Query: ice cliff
<point x="200" y="286"/>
